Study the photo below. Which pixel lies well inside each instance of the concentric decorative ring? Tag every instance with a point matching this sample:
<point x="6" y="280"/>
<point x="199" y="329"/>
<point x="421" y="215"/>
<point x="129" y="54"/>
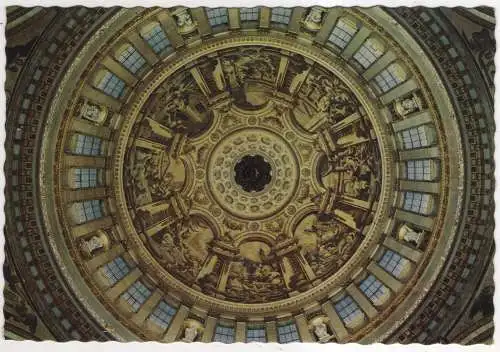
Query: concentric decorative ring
<point x="226" y="190"/>
<point x="179" y="211"/>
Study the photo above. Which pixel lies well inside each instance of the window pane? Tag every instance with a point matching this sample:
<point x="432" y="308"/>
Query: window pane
<point x="280" y="15"/>
<point x="392" y="262"/>
<point x="115" y="270"/>
<point x="163" y="315"/>
<point x="288" y="333"/>
<point x="131" y="59"/>
<point x="136" y="295"/>
<point x="87" y="210"/>
<point x="342" y="33"/>
<point x="368" y="53"/>
<point x="416" y="202"/>
<point x="111" y="85"/>
<point x="256" y="334"/>
<point x="249" y="14"/>
<point x="217" y="16"/>
<point x="372" y="288"/>
<point x="85" y="178"/>
<point x="87" y="145"/>
<point x="224" y="334"/>
<point x="389" y="78"/>
<point x="157" y="39"/>
<point x="419" y="170"/>
<point x="347" y="309"/>
<point x="415" y="138"/>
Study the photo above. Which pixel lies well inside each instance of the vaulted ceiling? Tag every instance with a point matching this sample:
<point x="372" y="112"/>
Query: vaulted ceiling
<point x="250" y="174"/>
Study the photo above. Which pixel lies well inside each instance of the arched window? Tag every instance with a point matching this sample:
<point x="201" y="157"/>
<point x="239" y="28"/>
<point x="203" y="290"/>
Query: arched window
<point x="130" y="58"/>
<point x="115" y="270"/>
<point x="349" y="311"/>
<point x="390" y="77"/>
<point x="419" y="170"/>
<point x="415" y="137"/>
<point x="343" y="32"/>
<point x="288" y="333"/>
<point x="156" y="38"/>
<point x="217" y="16"/>
<point x="110" y="84"/>
<point x="394" y="263"/>
<point x="417" y="202"/>
<point x="136" y="295"/>
<point x="256" y="334"/>
<point x="280" y="15"/>
<point x="84" y="177"/>
<point x="224" y="334"/>
<point x="163" y="315"/>
<point x="87" y="210"/>
<point x="369" y="52"/>
<point x="373" y="289"/>
<point x="249" y="14"/>
<point x="84" y="144"/>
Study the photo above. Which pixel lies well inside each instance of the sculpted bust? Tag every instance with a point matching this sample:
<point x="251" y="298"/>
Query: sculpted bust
<point x="409" y="235"/>
<point x="185" y="23"/>
<point x="92" y="112"/>
<point x="314" y="19"/>
<point x="320" y="329"/>
<point x="408" y="105"/>
<point x="192" y="328"/>
<point x="190" y="334"/>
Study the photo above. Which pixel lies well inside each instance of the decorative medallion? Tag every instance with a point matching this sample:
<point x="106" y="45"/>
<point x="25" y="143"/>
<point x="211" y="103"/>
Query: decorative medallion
<point x="252" y="173"/>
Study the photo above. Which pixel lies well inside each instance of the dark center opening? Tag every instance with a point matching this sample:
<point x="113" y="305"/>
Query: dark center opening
<point x="253" y="173"/>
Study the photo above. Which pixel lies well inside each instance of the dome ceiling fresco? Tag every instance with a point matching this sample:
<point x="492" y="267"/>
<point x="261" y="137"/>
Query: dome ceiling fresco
<point x="239" y="193"/>
<point x="250" y="174"/>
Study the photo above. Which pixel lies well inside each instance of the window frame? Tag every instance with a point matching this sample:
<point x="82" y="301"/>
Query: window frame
<point x="347" y="311"/>
<point x="387" y="79"/>
<point x="415" y="137"/>
<point x="416" y="202"/>
<point x="221" y="335"/>
<point x="163" y="316"/>
<point x="281" y="18"/>
<point x="87" y="145"/>
<point x="418" y="170"/>
<point x="288" y="336"/>
<point x="157" y="41"/>
<point x="112" y="85"/>
<point x="131" y="59"/>
<point x="257" y="338"/>
<point x="392" y="262"/>
<point x="366" y="55"/>
<point x="136" y="295"/>
<point x="115" y="270"/>
<point x="88" y="210"/>
<point x="85" y="177"/>
<point x="249" y="12"/>
<point x="339" y="34"/>
<point x="214" y="20"/>
<point x="372" y="288"/>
